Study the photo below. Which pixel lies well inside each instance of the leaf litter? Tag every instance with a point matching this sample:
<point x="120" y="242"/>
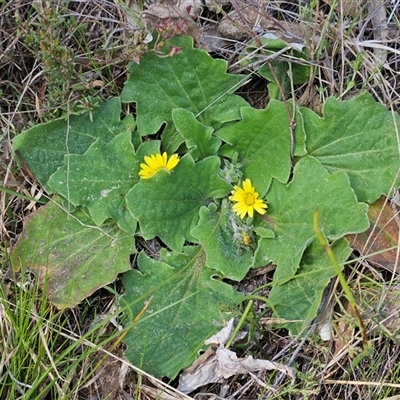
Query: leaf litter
<point x="222" y="363"/>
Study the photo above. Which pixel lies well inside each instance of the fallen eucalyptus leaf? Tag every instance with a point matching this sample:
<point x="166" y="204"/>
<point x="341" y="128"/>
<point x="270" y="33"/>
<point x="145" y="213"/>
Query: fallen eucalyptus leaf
<point x="223" y="365"/>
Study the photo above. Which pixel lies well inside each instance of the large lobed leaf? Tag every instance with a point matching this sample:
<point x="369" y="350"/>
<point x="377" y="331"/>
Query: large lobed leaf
<point x="357" y="136"/>
<point x="186" y="305"/>
<point x="198" y="137"/>
<point x="44" y="146"/>
<point x="224" y="247"/>
<point x="167" y="205"/>
<point x="291" y="209"/>
<point x="100" y="179"/>
<point x="298" y="299"/>
<point x="71" y="257"/>
<point x="286" y="72"/>
<point x="191" y="80"/>
<point x="262" y="142"/>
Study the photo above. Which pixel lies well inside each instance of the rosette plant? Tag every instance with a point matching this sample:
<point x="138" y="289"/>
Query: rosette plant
<point x="224" y="187"/>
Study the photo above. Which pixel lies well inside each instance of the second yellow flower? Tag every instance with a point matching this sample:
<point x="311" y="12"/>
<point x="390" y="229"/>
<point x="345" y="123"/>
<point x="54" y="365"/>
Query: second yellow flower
<point x="247" y="200"/>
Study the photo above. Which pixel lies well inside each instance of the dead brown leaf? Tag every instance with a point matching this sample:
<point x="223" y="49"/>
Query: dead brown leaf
<point x="242" y="20"/>
<point x="161" y="394"/>
<point x="181" y="12"/>
<point x="223" y="365"/>
<point x="380" y="238"/>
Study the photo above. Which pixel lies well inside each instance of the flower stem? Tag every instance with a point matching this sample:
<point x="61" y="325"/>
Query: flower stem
<point x="240" y="323"/>
<point x="321" y="238"/>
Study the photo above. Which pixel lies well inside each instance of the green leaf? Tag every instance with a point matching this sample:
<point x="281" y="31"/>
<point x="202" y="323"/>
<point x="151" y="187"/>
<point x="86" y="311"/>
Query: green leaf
<point x="100" y="179"/>
<point x="298" y="299"/>
<point x="357" y="136"/>
<point x="71" y="258"/>
<point x="262" y="141"/>
<point x="187" y="305"/>
<point x="167" y="205"/>
<point x="197" y="136"/>
<point x="299" y="136"/>
<point x="218" y="233"/>
<point x="290" y="215"/>
<point x="191" y="80"/>
<point x="287" y="72"/>
<point x="44" y="146"/>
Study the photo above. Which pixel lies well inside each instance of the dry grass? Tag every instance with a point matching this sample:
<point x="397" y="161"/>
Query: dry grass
<point x="57" y="57"/>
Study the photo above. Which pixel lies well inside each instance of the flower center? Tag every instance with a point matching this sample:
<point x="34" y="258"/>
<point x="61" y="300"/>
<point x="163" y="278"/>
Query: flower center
<point x="249" y="199"/>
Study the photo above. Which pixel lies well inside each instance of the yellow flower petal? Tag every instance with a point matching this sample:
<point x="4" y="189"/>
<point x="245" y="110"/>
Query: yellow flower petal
<point x="155" y="162"/>
<point x="259" y="207"/>
<point x="148" y="161"/>
<point x="247" y="200"/>
<point x="158" y="160"/>
<point x="247" y="186"/>
<point x="172" y="162"/>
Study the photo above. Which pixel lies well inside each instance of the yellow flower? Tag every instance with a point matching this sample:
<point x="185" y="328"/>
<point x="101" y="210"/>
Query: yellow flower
<point x="156" y="162"/>
<point x="247" y="200"/>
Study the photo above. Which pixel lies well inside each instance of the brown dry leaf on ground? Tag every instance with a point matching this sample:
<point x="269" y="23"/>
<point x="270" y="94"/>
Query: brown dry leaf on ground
<point x="220" y="363"/>
<point x="182" y="13"/>
<point x="379" y="243"/>
<point x="243" y="19"/>
<point x="224" y="364"/>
